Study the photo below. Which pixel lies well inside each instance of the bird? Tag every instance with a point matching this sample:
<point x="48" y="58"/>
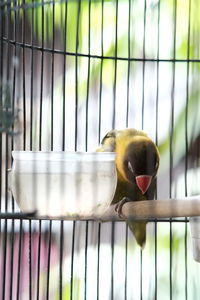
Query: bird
<point x="137" y="162"/>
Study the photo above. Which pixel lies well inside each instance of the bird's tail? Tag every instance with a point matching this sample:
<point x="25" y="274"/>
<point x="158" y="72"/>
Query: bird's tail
<point x="139" y="231"/>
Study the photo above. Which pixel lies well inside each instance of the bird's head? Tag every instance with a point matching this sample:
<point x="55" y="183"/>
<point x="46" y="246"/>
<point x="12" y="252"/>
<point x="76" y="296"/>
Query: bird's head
<point x="140" y="162"/>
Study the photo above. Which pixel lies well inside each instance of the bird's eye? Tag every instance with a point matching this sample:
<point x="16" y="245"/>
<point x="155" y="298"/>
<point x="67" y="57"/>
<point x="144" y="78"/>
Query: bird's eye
<point x="130" y="167"/>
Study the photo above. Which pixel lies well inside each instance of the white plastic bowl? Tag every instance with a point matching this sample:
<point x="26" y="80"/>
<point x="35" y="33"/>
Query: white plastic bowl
<point x="59" y="183"/>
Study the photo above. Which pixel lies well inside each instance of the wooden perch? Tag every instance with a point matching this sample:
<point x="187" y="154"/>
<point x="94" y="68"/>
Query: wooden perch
<point x="150" y="209"/>
<point x="140" y="210"/>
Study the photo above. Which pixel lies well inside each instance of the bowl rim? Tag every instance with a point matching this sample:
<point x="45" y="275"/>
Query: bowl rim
<point x="63" y="155"/>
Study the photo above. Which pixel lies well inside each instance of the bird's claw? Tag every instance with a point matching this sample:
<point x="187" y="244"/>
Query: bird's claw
<point x="119" y="205"/>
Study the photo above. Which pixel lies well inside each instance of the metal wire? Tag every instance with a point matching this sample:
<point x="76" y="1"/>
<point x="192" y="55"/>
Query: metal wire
<point x="98" y="257"/>
<point x="115" y="66"/>
<point x="42" y="49"/>
<point x="129" y="64"/>
<point x="101" y="73"/>
<point x="38" y="260"/>
<point x="76" y="75"/>
<point x="49" y="258"/>
<point x="86" y="259"/>
<point x="144" y="62"/>
<point x="19" y="259"/>
<point x="88" y="78"/>
<point x="112" y="260"/>
<point x="64" y="77"/>
<point x="41" y="81"/>
<point x="30" y="259"/>
<point x="108" y="57"/>
<point x="156" y="137"/>
<point x="72" y="260"/>
<point x="186" y="146"/>
<point x="172" y="144"/>
<point x="1" y="93"/>
<point x="126" y="262"/>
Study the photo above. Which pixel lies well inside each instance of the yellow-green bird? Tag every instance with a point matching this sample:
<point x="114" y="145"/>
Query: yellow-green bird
<point x="137" y="162"/>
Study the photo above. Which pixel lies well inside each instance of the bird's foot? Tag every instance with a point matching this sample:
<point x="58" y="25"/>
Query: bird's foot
<point x="120" y="204"/>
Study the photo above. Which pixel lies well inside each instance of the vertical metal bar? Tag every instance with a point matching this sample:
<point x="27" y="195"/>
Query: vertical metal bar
<point x="19" y="269"/>
<point x="86" y="248"/>
<point x="32" y="66"/>
<point x="5" y="231"/>
<point x="127" y="123"/>
<point x="170" y="263"/>
<point x="14" y="82"/>
<point x="112" y="259"/>
<point x="8" y="98"/>
<point x="141" y="275"/>
<point x="64" y="74"/>
<point x="24" y="78"/>
<point x="143" y="104"/>
<point x="34" y="17"/>
<point x="30" y="260"/>
<point x="19" y="260"/>
<point x="99" y="135"/>
<point x="52" y="75"/>
<point x="115" y="65"/>
<point x="49" y="259"/>
<point x="101" y="69"/>
<point x="24" y="136"/>
<point x="31" y="145"/>
<point x="171" y="145"/>
<point x="12" y="240"/>
<point x="72" y="260"/>
<point x="126" y="263"/>
<point x="52" y="138"/>
<point x="63" y="149"/>
<point x="38" y="261"/>
<point x="88" y="76"/>
<point x="98" y="257"/>
<point x="76" y="74"/>
<point x="9" y="93"/>
<point x="172" y="103"/>
<point x="129" y="62"/>
<point x="4" y="259"/>
<point x="4" y="237"/>
<point x="144" y="62"/>
<point x="41" y="79"/>
<point x="61" y="259"/>
<point x="1" y="92"/>
<point x="156" y="138"/>
<point x="86" y="141"/>
<point x="76" y="135"/>
<point x="156" y="263"/>
<point x="113" y="126"/>
<point x="186" y="141"/>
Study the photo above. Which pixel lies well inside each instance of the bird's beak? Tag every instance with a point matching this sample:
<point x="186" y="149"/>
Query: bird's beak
<point x="143" y="182"/>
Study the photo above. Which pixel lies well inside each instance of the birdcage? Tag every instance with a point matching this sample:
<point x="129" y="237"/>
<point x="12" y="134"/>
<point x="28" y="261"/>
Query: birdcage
<point x="70" y="71"/>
